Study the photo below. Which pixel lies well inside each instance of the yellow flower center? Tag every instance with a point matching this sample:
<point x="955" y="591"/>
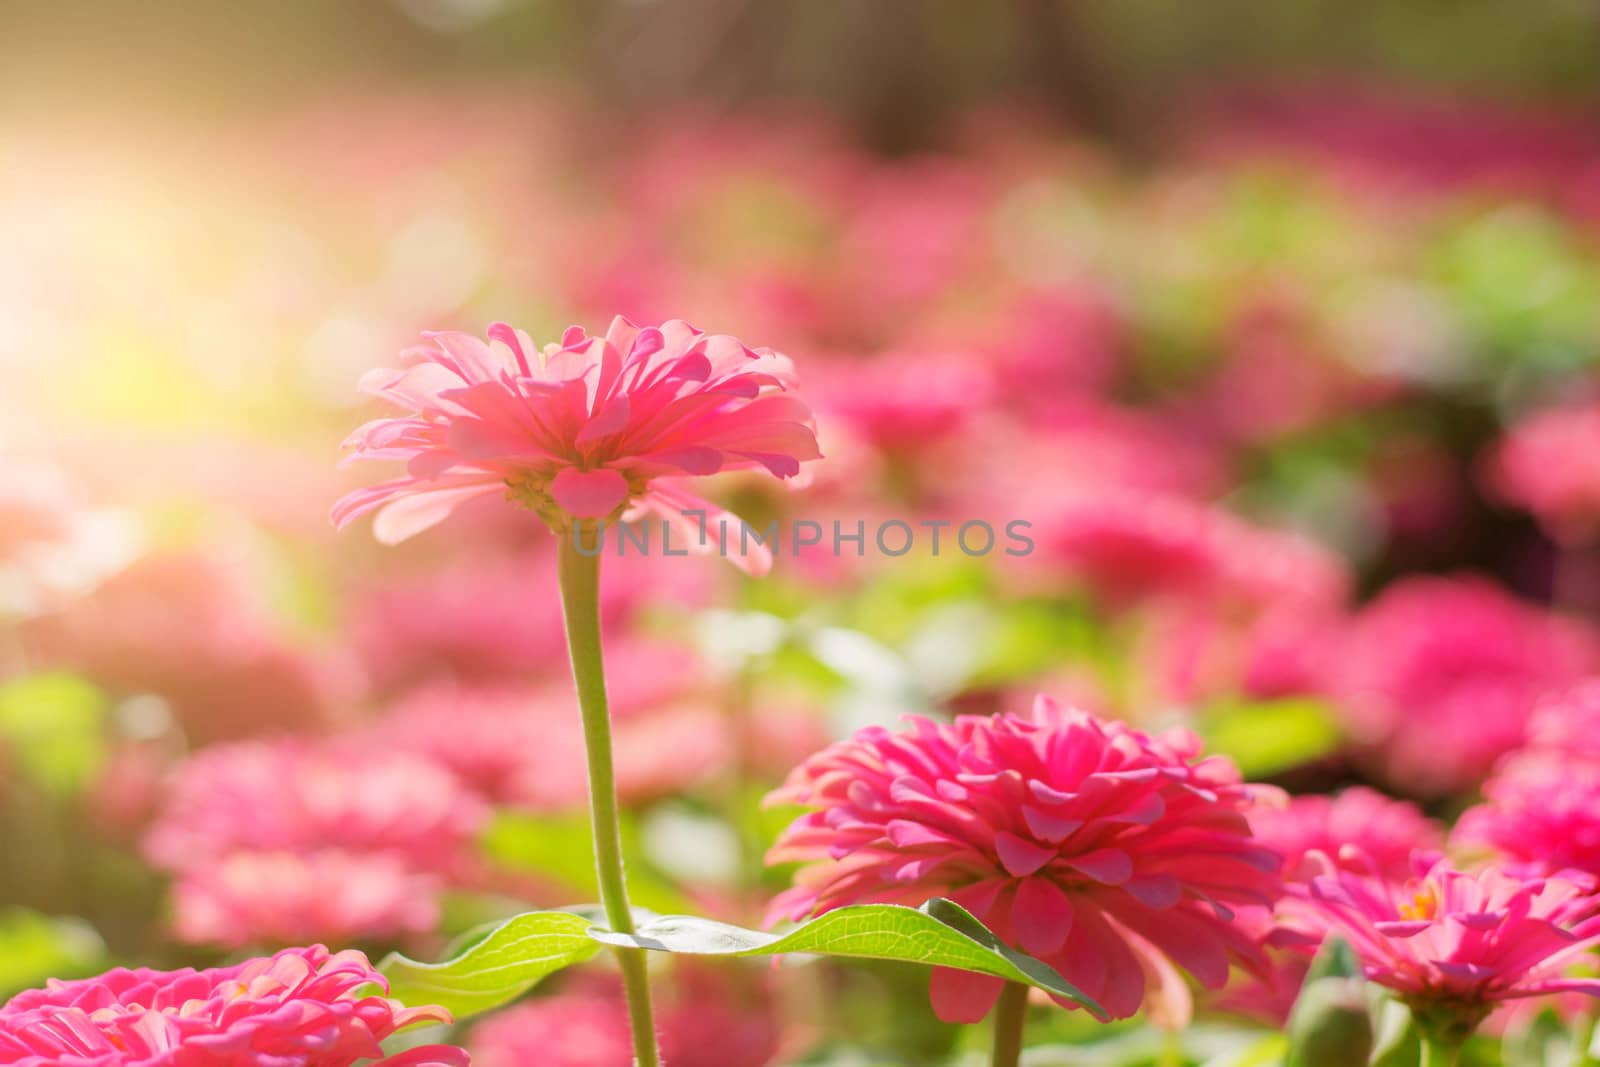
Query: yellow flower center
<point x="1424" y="904"/>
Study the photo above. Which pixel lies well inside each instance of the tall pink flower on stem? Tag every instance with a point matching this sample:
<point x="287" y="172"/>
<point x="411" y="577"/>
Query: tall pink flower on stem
<point x="1453" y="945"/>
<point x="1113" y="856"/>
<point x="304" y="1006"/>
<point x="589" y="430"/>
<point x="582" y="430"/>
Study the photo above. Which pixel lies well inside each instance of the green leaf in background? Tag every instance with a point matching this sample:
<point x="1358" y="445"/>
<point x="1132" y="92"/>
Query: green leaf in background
<point x="560" y="849"/>
<point x="51" y="724"/>
<point x="941" y="933"/>
<point x="1266" y="738"/>
<point x="34" y="948"/>
<point x="497" y="967"/>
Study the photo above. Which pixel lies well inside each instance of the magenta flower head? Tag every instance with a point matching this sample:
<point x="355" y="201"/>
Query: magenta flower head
<point x="591" y="428"/>
<point x="1440" y="676"/>
<point x="305" y="1007"/>
<point x="1452" y="945"/>
<point x="1107" y="853"/>
<point x="1360" y="830"/>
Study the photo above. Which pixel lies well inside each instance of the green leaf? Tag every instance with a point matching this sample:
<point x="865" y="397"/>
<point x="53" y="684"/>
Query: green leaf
<point x="35" y="947"/>
<point x="1266" y="738"/>
<point x="941" y="933"/>
<point x="495" y="968"/>
<point x="52" y="725"/>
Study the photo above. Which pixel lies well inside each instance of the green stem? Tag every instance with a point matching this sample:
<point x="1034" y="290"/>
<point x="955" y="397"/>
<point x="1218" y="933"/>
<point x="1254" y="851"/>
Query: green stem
<point x="1437" y="1052"/>
<point x="580" y="601"/>
<point x="1010" y="1016"/>
<point x="1582" y="1040"/>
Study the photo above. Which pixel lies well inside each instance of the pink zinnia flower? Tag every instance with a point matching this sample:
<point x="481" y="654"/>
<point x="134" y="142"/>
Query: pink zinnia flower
<point x="1109" y="854"/>
<point x="1541" y="809"/>
<point x="591" y="428"/>
<point x="275" y="898"/>
<point x="1360" y="830"/>
<point x="905" y="400"/>
<point x="1453" y="944"/>
<point x="1129" y="546"/>
<point x="1550" y="464"/>
<point x="1438" y="677"/>
<point x="302" y="1007"/>
<point x="290" y="795"/>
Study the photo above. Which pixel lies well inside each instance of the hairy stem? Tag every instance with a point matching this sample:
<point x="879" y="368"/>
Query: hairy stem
<point x="580" y="603"/>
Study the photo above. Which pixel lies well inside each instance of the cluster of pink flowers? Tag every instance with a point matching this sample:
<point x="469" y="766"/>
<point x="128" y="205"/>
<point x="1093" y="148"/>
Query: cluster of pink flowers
<point x="304" y="1006"/>
<point x="1110" y="854"/>
<point x="1440" y="675"/>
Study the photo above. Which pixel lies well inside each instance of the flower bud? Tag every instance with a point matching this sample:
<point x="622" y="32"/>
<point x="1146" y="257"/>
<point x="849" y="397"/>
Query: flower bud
<point x="1330" y="1025"/>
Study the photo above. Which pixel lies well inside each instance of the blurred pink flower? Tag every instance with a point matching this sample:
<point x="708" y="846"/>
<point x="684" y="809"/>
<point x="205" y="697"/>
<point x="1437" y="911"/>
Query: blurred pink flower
<point x="524" y="747"/>
<point x="1438" y="677"/>
<point x="1360" y="830"/>
<point x="1568" y="721"/>
<point x="1452" y="945"/>
<point x="1197" y="654"/>
<point x="302" y="1006"/>
<point x="1549" y="463"/>
<point x="701" y="1022"/>
<point x="189" y="628"/>
<point x="904" y="400"/>
<point x="1541" y="809"/>
<point x="1130" y="546"/>
<point x="581" y="430"/>
<point x="1109" y="854"/>
<point x="491" y="619"/>
<point x="275" y="898"/>
<point x="53" y="546"/>
<point x="294" y="796"/>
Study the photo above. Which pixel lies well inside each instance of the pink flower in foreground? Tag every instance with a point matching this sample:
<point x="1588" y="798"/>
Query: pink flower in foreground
<point x="1438" y="677"/>
<point x="702" y="1023"/>
<point x="1360" y="830"/>
<point x="300" y="1008"/>
<point x="1109" y="854"/>
<point x="275" y="898"/>
<point x="591" y="428"/>
<point x="1550" y="464"/>
<point x="1453" y="944"/>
